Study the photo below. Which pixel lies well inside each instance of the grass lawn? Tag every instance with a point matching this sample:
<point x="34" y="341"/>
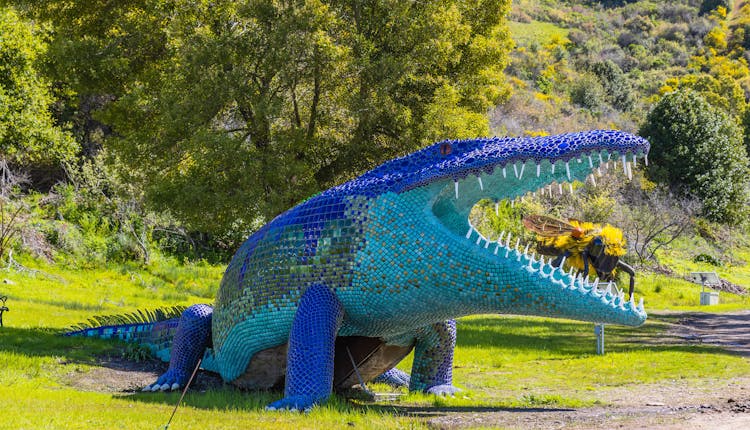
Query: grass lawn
<point x="500" y="361"/>
<point x="524" y="34"/>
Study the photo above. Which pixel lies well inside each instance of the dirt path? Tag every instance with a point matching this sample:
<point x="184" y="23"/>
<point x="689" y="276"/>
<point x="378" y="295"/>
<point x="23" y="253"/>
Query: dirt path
<point x="729" y="331"/>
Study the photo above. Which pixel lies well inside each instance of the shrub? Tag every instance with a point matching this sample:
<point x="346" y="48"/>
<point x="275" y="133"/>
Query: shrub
<point x="697" y="149"/>
<point x="618" y="90"/>
<point x="708" y="6"/>
<point x="588" y="93"/>
<point x="705" y="258"/>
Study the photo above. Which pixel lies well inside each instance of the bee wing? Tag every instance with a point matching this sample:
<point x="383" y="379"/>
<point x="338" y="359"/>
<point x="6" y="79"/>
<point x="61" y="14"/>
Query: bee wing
<point x="546" y="226"/>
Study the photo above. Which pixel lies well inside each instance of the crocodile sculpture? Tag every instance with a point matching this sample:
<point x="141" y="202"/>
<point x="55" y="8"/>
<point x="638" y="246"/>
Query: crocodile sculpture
<point x="344" y="285"/>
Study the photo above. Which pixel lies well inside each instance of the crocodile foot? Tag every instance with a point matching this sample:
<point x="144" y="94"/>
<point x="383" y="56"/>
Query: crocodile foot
<point x="443" y="390"/>
<point x="394" y="377"/>
<point x="294" y="403"/>
<point x="170" y="381"/>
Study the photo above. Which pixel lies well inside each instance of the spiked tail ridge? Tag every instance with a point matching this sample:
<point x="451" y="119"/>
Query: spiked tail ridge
<point x="154" y="329"/>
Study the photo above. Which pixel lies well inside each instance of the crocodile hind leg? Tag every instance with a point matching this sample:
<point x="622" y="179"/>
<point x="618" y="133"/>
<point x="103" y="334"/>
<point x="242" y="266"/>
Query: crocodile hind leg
<point x="309" y="372"/>
<point x="190" y="342"/>
<point x="432" y="371"/>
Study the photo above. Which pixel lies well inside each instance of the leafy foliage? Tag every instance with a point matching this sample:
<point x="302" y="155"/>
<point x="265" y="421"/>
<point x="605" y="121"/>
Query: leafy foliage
<point x="28" y="134"/>
<point x="698" y="149"/>
<point x="266" y="103"/>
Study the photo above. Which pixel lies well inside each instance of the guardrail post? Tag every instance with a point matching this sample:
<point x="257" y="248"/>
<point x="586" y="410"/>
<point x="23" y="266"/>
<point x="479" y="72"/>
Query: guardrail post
<point x="599" y="332"/>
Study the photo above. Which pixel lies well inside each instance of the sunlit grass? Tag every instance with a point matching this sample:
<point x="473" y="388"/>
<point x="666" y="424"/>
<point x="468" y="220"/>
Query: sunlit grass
<point x="500" y="361"/>
<point x="524" y="34"/>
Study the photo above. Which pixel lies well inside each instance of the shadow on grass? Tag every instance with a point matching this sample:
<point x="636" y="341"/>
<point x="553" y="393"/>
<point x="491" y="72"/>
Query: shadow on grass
<point x="47" y="342"/>
<point x="230" y="398"/>
<point x="572" y="339"/>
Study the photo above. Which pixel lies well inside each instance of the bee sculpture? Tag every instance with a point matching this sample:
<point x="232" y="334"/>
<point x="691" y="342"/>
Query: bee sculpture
<point x="581" y="245"/>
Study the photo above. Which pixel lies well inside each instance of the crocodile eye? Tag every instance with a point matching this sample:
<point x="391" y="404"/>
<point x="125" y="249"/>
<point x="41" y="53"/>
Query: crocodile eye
<point x="445" y="148"/>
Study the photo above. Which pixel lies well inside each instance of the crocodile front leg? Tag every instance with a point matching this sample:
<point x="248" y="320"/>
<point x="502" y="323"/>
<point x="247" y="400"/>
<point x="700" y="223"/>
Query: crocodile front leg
<point x="432" y="371"/>
<point x="309" y="372"/>
<point x="190" y="342"/>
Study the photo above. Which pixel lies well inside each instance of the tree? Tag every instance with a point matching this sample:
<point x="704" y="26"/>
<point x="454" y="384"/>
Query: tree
<point x="227" y="113"/>
<point x="698" y="149"/>
<point x="723" y="92"/>
<point x="618" y="89"/>
<point x="28" y="135"/>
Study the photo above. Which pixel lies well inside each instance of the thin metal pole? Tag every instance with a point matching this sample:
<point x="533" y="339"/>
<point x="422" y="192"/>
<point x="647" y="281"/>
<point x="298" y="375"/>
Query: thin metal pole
<point x="197" y="366"/>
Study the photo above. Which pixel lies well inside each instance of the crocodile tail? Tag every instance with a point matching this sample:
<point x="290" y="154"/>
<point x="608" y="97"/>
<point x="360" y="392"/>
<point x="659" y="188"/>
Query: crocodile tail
<point x="154" y="329"/>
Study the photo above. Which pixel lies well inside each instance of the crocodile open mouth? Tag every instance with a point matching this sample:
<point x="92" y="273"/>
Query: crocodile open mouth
<point x="560" y="164"/>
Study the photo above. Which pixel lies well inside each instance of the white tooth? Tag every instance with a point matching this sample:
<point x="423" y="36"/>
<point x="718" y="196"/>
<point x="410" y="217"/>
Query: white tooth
<point x="497" y="247"/>
<point x="630" y="172"/>
<point x="631" y="302"/>
<point x="601" y="161"/>
<point x="515" y="169"/>
<point x="500" y="239"/>
<point x="567" y="169"/>
<point x="596" y="282"/>
<point x="553" y="168"/>
<point x="599" y="172"/>
<point x="481" y="185"/>
<point x="497" y="208"/>
<point x="512" y="203"/>
<point x="538" y="170"/>
<point x="591" y="163"/>
<point x="645" y="159"/>
<point x="468" y="234"/>
<point x="487" y="245"/>
<point x="559" y="187"/>
<point x="579" y="160"/>
<point x="523" y="166"/>
<point x="586" y="281"/>
<point x="479" y="239"/>
<point x="640" y="306"/>
<point x="624" y="165"/>
<point x="635" y="160"/>
<point x="504" y="172"/>
<point x="570" y="187"/>
<point x="455" y="183"/>
<point x="507" y="242"/>
<point x="609" y="157"/>
<point x="562" y="262"/>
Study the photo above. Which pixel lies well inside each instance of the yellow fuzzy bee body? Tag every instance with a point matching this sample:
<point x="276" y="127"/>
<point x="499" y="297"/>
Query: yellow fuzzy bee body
<point x="581" y="245"/>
